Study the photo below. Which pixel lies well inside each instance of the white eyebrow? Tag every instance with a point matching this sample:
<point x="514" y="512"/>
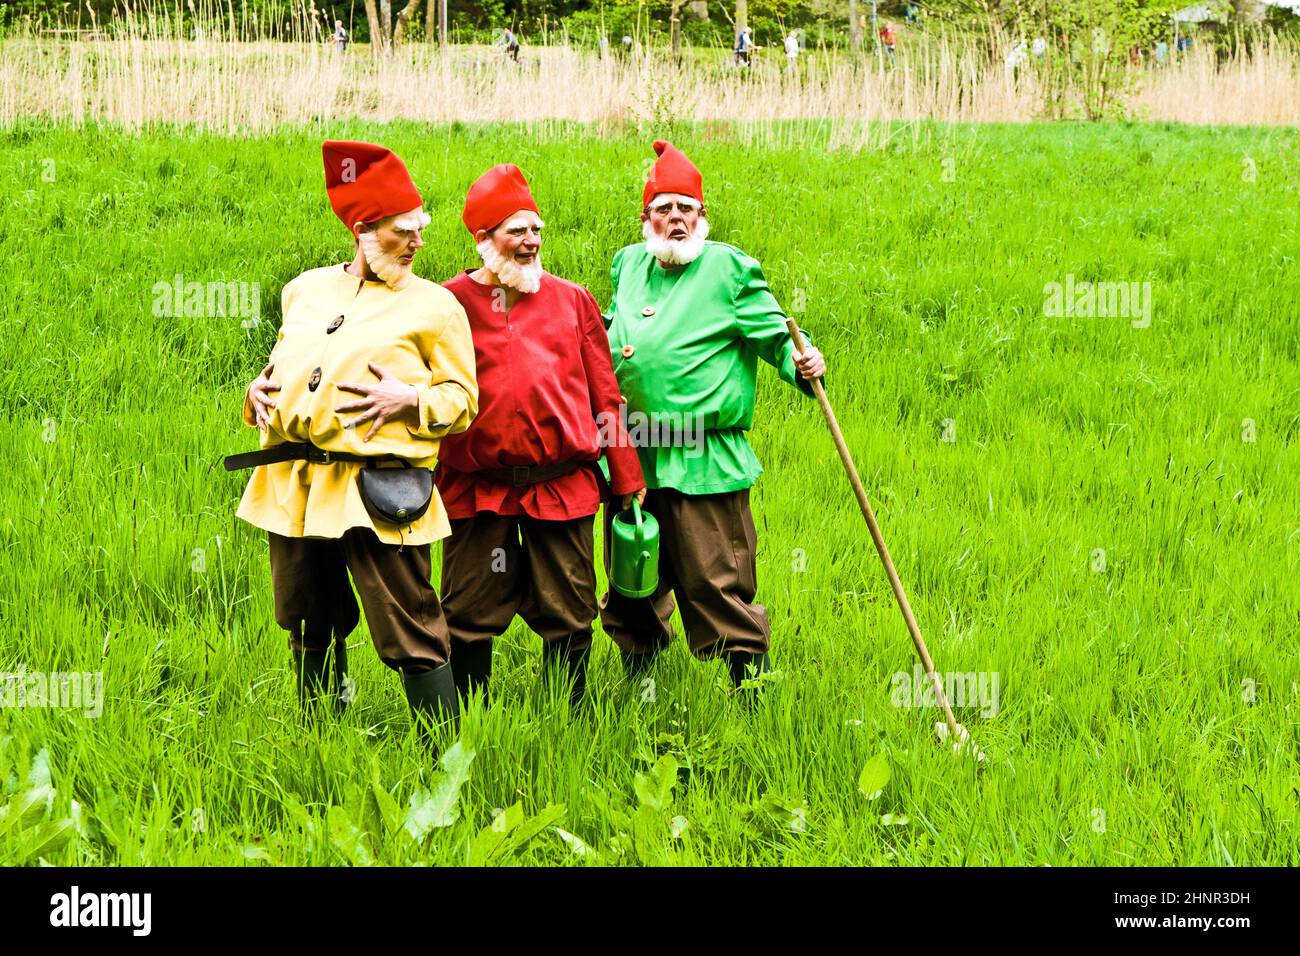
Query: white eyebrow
<point x="684" y="200"/>
<point x="414" y="220"/>
<point x="522" y="224"/>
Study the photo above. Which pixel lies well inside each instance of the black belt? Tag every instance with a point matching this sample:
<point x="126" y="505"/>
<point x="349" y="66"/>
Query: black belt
<point x="297" y="451"/>
<point x="528" y="474"/>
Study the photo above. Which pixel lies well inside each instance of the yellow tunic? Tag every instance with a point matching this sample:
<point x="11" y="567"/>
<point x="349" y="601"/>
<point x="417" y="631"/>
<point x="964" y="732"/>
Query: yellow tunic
<point x="420" y="335"/>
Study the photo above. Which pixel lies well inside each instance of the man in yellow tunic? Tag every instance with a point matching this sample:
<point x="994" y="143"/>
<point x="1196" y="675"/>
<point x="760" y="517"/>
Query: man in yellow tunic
<point x="372" y="362"/>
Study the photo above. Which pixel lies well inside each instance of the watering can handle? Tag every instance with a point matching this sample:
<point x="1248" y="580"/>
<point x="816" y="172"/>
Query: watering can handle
<point x="640" y="530"/>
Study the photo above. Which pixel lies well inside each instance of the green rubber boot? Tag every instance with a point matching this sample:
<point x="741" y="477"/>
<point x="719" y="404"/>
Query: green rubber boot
<point x="432" y="696"/>
<point x="318" y="682"/>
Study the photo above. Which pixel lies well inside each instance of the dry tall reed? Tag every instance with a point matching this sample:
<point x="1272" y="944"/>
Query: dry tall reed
<point x="154" y="69"/>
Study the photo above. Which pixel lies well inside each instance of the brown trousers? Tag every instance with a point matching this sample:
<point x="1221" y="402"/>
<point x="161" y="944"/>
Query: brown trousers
<point x="496" y="566"/>
<point x="707" y="558"/>
<point x="314" y="602"/>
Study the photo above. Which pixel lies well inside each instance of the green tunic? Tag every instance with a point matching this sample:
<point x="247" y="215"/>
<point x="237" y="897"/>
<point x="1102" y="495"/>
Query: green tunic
<point x="696" y="354"/>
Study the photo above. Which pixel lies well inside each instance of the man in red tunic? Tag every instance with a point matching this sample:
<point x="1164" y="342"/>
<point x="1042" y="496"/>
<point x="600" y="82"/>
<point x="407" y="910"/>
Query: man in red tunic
<point x="521" y="485"/>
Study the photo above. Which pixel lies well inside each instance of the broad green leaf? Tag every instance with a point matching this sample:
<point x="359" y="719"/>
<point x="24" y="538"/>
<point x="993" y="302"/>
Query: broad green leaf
<point x="420" y="815"/>
<point x="48" y="837"/>
<point x="509" y="818"/>
<point x="388" y="808"/>
<point x="456" y="761"/>
<point x="509" y="832"/>
<point x="646" y="793"/>
<point x="874" y="776"/>
<point x="575" y="844"/>
<point x="520" y="835"/>
<point x="348" y="838"/>
<point x="655" y="789"/>
<point x="484" y="845"/>
<point x="489" y="842"/>
<point x="39" y="774"/>
<point x="380" y="811"/>
<point x="30" y="807"/>
<point x="648" y="833"/>
<point x="438" y="807"/>
<point x="612" y="807"/>
<point x="444" y="795"/>
<point x="299" y="814"/>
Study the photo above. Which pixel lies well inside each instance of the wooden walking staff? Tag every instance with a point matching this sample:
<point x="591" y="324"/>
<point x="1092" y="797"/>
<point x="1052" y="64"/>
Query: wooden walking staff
<point x="856" y="482"/>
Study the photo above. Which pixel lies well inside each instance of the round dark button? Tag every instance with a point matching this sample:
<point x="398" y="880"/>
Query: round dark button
<point x="314" y="380"/>
<point x="333" y="326"/>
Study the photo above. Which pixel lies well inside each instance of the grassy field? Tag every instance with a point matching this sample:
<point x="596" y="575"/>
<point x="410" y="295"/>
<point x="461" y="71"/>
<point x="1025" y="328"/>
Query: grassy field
<point x="1100" y="511"/>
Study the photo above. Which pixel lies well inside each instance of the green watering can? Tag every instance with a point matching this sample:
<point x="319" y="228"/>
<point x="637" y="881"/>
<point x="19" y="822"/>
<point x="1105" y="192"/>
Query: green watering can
<point x="634" y="563"/>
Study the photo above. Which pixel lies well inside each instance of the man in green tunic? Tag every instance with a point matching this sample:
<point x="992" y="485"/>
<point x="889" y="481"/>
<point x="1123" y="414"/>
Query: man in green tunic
<point x="688" y="322"/>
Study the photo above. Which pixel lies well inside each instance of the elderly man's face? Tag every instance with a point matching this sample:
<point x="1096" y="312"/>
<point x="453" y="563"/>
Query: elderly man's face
<point x="400" y="236"/>
<point x="390" y="245"/>
<point x="673" y="217"/>
<point x="518" y="239"/>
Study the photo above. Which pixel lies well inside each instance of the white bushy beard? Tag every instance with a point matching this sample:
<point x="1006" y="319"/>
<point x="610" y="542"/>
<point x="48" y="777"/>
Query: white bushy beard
<point x="677" y="252"/>
<point x="510" y="273"/>
<point x="384" y="264"/>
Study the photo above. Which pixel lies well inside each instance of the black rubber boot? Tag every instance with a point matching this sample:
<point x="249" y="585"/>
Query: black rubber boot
<point x="472" y="663"/>
<point x="432" y="696"/>
<point x="319" y="682"/>
<point x="555" y="651"/>
<point x="740" y="664"/>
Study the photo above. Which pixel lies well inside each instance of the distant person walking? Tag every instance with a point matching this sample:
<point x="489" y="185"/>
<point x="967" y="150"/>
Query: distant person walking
<point x="792" y="50"/>
<point x="744" y="43"/>
<point x="340" y="37"/>
<point x="1016" y="58"/>
<point x="511" y="43"/>
<point x="887" y="40"/>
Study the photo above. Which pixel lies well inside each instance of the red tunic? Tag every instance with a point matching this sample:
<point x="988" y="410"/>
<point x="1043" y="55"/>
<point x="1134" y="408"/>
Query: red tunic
<point x="544" y="373"/>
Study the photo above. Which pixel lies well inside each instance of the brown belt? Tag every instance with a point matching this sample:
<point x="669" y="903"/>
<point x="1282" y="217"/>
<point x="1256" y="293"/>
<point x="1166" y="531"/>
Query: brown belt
<point x="520" y="475"/>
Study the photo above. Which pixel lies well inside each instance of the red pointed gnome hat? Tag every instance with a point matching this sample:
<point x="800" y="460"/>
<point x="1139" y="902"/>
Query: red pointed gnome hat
<point x="672" y="173"/>
<point x="366" y="182"/>
<point x="495" y="195"/>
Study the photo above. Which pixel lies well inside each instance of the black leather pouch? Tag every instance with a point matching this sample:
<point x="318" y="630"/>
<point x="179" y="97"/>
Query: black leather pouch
<point x="396" y="495"/>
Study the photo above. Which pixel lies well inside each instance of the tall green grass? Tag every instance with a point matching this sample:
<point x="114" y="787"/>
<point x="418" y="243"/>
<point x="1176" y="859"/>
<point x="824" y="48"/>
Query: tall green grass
<point x="1148" y="711"/>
